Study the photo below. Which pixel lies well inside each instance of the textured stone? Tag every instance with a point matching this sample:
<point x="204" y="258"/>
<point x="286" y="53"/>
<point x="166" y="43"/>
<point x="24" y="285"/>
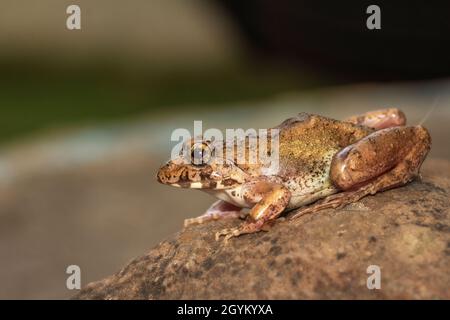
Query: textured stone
<point x="405" y="231"/>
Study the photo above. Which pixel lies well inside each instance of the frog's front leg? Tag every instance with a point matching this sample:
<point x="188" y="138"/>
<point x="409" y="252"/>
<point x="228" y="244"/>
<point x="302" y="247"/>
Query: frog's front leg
<point x="384" y="159"/>
<point x="270" y="200"/>
<point x="218" y="210"/>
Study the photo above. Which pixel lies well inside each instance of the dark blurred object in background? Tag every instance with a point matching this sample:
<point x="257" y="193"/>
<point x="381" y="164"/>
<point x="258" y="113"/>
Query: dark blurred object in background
<point x="332" y="36"/>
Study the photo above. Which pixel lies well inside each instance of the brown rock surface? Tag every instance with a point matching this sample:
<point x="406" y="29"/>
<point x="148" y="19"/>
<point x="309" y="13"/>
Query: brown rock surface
<point x="405" y="231"/>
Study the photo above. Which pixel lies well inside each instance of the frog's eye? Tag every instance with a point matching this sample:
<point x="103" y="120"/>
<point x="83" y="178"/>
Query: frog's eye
<point x="200" y="154"/>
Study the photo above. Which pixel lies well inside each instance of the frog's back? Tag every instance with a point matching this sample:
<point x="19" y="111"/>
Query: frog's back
<point x="307" y="146"/>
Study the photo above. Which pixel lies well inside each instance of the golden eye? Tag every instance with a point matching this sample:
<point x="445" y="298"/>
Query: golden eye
<point x="200" y="154"/>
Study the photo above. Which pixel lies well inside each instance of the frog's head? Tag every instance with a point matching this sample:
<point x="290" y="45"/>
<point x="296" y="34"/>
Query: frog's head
<point x="199" y="165"/>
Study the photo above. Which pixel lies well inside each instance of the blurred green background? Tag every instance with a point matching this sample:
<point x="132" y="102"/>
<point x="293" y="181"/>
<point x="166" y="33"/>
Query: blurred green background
<point x="85" y="95"/>
<point x="52" y="77"/>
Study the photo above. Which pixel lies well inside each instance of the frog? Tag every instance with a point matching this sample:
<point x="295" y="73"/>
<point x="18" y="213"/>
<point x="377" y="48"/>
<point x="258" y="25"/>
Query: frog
<point x="324" y="163"/>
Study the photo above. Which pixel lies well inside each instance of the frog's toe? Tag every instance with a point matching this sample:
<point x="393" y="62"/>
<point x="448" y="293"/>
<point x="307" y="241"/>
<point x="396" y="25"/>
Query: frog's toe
<point x="228" y="234"/>
<point x="213" y="216"/>
<point x="245" y="228"/>
<point x="335" y="201"/>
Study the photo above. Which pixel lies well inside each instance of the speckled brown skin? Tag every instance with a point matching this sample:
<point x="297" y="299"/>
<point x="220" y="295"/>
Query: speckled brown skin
<point x="308" y="142"/>
<point x="378" y="153"/>
<point x="384" y="159"/>
<point x="319" y="158"/>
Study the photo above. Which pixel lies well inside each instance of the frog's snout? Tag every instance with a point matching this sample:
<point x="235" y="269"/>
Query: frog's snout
<point x="177" y="175"/>
<point x="160" y="177"/>
<point x="166" y="175"/>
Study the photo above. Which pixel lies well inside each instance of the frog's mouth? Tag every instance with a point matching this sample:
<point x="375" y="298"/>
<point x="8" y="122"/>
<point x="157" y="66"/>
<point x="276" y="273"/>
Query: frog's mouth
<point x="202" y="184"/>
<point x="194" y="178"/>
<point x="180" y="178"/>
<point x="189" y="185"/>
<point x="205" y="184"/>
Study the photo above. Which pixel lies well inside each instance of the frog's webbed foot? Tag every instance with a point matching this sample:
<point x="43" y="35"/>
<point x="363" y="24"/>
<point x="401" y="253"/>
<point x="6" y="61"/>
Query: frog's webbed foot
<point x="218" y="210"/>
<point x="247" y="227"/>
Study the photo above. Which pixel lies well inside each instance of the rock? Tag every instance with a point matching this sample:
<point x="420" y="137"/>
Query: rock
<point x="404" y="231"/>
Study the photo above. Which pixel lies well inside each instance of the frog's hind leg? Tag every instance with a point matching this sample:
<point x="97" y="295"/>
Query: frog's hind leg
<point x="385" y="159"/>
<point x="218" y="210"/>
<point x="380" y="119"/>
